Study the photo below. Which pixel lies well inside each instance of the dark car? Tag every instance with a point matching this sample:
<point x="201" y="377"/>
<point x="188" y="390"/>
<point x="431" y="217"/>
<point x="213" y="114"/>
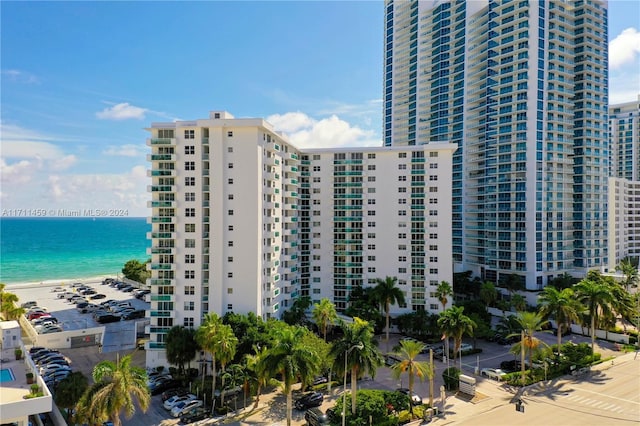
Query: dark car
<point x="315" y="417"/>
<point x="173" y="392"/>
<point x="311" y="399"/>
<point x="133" y="315"/>
<point x="103" y="319"/>
<point x="97" y="296"/>
<point x="88" y="292"/>
<point x="511" y="366"/>
<point x="162" y="385"/>
<point x="194" y="415"/>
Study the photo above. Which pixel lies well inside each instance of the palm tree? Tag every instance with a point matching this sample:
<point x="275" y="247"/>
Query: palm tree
<point x="454" y="323"/>
<point x="256" y="365"/>
<point x="290" y="358"/>
<point x="408" y="351"/>
<point x="530" y="323"/>
<point x="325" y="315"/>
<point x="488" y="293"/>
<point x="561" y="305"/>
<point x="8" y="307"/>
<point x="208" y="339"/>
<point x="359" y="346"/>
<point x="117" y="385"/>
<point x="443" y="291"/>
<point x="226" y="349"/>
<point x="629" y="269"/>
<point x="388" y="294"/>
<point x="597" y="298"/>
<point x="519" y="302"/>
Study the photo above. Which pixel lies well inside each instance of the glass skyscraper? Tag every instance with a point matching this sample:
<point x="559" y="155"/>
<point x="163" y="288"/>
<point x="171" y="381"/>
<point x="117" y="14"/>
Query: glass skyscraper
<point x="521" y="87"/>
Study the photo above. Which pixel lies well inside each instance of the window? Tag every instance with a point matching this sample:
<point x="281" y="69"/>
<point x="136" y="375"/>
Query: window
<point x="433" y="154"/>
<point x="230" y="134"/>
<point x="402" y="167"/>
<point x="433" y="258"/>
<point x="433" y="189"/>
<point x="189" y="196"/>
<point x="230" y="243"/>
<point x="189" y="274"/>
<point x="229" y="306"/>
<point x="371" y="156"/>
<point x="371" y="167"/>
<point x="316" y="168"/>
<point x="402" y="258"/>
<point x="230" y="149"/>
<point x="189" y="258"/>
<point x="433" y="271"/>
<point x="371" y="247"/>
<point x="402" y="212"/>
<point x="230" y="212"/>
<point x="189" y="149"/>
<point x="371" y="269"/>
<point x="402" y="155"/>
<point x="402" y="189"/>
<point x="433" y="236"/>
<point x="371" y="201"/>
<point x="190" y="181"/>
<point x="371" y="224"/>
<point x="230" y="259"/>
<point x="230" y="228"/>
<point x="371" y="258"/>
<point x="190" y="306"/>
<point x="433" y="177"/>
<point x="189" y="134"/>
<point x="371" y="213"/>
<point x="371" y="190"/>
<point x="189" y="165"/>
<point x="230" y="196"/>
<point x="189" y="227"/>
<point x="433" y="165"/>
<point x="402" y="270"/>
<point x="402" y="201"/>
<point x="190" y="243"/>
<point x="371" y="178"/>
<point x="433" y="247"/>
<point x="402" y="178"/>
<point x="316" y="179"/>
<point x="230" y="181"/>
<point x="433" y="212"/>
<point x="371" y="235"/>
<point x="190" y="212"/>
<point x="189" y="290"/>
<point x="402" y="235"/>
<point x="188" y="322"/>
<point x="230" y="290"/>
<point x="229" y="274"/>
<point x="230" y="165"/>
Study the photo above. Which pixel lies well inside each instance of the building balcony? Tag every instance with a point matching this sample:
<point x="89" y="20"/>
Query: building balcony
<point x="162" y="297"/>
<point x="155" y="204"/>
<point x="163" y="235"/>
<point x="161" y="157"/>
<point x="162" y="266"/>
<point x="162" y="172"/>
<point x="160" y="281"/>
<point x="161" y="188"/>
<point x="161" y="250"/>
<point x="162" y="219"/>
<point x="160" y="141"/>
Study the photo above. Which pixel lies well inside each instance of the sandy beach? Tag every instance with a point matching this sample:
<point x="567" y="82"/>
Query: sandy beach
<point x="60" y="282"/>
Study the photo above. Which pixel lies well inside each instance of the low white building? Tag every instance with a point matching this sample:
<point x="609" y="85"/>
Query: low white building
<point x="624" y="220"/>
<point x="244" y="221"/>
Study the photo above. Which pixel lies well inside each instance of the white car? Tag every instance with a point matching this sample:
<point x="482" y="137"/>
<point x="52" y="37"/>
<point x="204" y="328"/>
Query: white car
<point x="52" y="368"/>
<point x="493" y="373"/>
<point x="182" y="407"/>
<point x="174" y="400"/>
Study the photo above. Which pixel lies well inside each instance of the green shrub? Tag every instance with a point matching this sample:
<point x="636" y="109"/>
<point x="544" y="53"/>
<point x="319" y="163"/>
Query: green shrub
<point x="451" y="376"/>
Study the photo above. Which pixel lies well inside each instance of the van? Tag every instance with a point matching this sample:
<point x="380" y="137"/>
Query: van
<point x="315" y="417"/>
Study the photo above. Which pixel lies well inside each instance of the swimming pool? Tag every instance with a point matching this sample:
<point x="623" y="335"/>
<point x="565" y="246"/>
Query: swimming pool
<point x="6" y="375"/>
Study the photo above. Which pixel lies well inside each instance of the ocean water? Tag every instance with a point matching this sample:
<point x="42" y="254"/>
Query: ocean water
<point x="42" y="249"/>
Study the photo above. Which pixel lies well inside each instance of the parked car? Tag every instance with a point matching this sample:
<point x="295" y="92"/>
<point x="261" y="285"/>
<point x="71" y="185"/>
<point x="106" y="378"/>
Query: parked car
<point x="173" y="392"/>
<point x="319" y="380"/>
<point x="28" y="305"/>
<point x="88" y="292"/>
<point x="48" y="329"/>
<point x="65" y="295"/>
<point x="139" y="294"/>
<point x="107" y="318"/>
<point x="162" y="385"/>
<point x="140" y="313"/>
<point x="194" y="415"/>
<point x="36" y="357"/>
<point x="34" y="315"/>
<point x="315" y="417"/>
<point x="44" y="320"/>
<point x="128" y="289"/>
<point x="415" y="398"/>
<point x="50" y="368"/>
<point x="35" y="349"/>
<point x="98" y="296"/>
<point x="493" y="373"/>
<point x="171" y="402"/>
<point x="183" y="407"/>
<point x="311" y="399"/>
<point x="57" y="290"/>
<point x="511" y="366"/>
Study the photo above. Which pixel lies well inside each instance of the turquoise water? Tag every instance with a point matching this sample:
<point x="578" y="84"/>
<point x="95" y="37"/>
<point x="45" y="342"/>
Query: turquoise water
<point x="41" y="249"/>
<point x="6" y="375"/>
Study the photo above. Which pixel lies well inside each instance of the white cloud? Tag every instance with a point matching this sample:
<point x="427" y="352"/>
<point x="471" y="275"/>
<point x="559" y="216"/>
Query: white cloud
<point x="624" y="49"/>
<point x="16" y="174"/>
<point x="20" y="76"/>
<point x="306" y="132"/>
<point x="63" y="163"/>
<point x="30" y="149"/>
<point x="128" y="150"/>
<point x="122" y="111"/>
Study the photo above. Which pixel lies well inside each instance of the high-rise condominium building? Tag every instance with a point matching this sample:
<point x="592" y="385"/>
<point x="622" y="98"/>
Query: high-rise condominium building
<point x="521" y="87"/>
<point x="243" y="221"/>
<point x="624" y="145"/>
<point x="624" y="220"/>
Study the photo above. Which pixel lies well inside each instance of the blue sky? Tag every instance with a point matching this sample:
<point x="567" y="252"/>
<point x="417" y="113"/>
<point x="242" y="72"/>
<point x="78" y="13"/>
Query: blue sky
<point x="81" y="80"/>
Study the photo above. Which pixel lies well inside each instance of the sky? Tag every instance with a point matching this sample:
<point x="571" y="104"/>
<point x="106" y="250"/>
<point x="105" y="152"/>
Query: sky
<point x="80" y="81"/>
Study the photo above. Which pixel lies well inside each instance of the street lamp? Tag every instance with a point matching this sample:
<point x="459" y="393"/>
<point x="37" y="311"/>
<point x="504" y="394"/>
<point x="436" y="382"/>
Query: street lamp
<point x="358" y="346"/>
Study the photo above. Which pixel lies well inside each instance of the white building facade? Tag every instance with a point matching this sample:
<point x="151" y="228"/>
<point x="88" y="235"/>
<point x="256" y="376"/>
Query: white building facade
<point x="243" y="221"/>
<point x="521" y="87"/>
<point x="624" y="130"/>
<point x="624" y="220"/>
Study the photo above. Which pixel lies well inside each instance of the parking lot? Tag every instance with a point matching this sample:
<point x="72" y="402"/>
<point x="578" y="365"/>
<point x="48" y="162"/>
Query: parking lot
<point x="120" y="335"/>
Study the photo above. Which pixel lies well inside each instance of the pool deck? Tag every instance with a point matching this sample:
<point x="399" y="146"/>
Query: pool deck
<point x="12" y="402"/>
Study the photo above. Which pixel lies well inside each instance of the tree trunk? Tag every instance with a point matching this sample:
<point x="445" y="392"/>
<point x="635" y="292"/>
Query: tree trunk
<point x="289" y="404"/>
<point x="257" y="395"/>
<point x="559" y="337"/>
<point x="411" y="379"/>
<point x="593" y="333"/>
<point x="386" y="307"/>
<point x="213" y="382"/>
<point x="354" y="389"/>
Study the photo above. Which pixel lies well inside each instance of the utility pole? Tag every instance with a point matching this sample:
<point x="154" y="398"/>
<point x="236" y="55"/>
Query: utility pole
<point x="431" y="378"/>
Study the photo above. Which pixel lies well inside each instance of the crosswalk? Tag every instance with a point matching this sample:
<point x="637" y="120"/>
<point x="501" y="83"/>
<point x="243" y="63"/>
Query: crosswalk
<point x="594" y="403"/>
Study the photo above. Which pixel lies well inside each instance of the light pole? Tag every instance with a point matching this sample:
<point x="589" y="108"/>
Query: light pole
<point x="358" y="346"/>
